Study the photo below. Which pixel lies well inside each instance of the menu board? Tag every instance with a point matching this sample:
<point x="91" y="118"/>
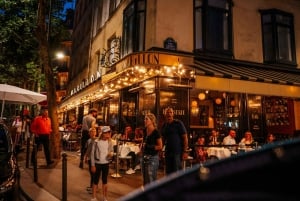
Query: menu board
<point x="279" y="115"/>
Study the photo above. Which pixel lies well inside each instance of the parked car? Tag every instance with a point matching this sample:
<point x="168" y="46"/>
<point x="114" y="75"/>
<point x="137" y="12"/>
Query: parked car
<point x="9" y="171"/>
<point x="269" y="173"/>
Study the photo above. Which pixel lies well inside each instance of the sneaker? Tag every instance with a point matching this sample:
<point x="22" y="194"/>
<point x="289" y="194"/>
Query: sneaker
<point x="138" y="167"/>
<point x="130" y="171"/>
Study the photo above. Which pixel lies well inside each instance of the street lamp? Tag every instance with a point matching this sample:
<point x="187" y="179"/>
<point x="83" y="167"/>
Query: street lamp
<point x="60" y="55"/>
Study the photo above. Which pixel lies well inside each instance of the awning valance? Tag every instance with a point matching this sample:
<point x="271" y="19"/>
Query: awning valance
<point x="247" y="79"/>
<point x="243" y="72"/>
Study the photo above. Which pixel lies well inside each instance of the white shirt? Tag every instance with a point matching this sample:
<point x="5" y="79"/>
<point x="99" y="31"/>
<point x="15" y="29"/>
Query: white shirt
<point x="228" y="140"/>
<point x="100" y="151"/>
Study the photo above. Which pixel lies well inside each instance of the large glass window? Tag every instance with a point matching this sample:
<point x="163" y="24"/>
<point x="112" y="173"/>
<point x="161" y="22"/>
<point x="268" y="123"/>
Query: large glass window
<point x="278" y="37"/>
<point x="213" y="32"/>
<point x="134" y="27"/>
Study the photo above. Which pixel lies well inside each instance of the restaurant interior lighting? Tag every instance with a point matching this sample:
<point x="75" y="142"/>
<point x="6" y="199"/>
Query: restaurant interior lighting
<point x="107" y="98"/>
<point x="136" y="89"/>
<point x="180" y="86"/>
<point x="218" y="101"/>
<point x="201" y="96"/>
<point x="232" y="103"/>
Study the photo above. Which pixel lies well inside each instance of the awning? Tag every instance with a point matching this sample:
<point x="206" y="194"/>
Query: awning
<point x="258" y="79"/>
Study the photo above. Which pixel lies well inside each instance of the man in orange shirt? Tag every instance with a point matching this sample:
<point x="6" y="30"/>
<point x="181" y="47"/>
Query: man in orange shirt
<point x="41" y="128"/>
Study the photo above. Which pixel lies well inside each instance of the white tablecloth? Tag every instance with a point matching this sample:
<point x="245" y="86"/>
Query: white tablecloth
<point x="219" y="152"/>
<point x="245" y="149"/>
<point x="125" y="149"/>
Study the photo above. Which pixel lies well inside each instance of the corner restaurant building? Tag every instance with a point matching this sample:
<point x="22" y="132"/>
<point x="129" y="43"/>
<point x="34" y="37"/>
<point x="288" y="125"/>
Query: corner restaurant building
<point x="205" y="94"/>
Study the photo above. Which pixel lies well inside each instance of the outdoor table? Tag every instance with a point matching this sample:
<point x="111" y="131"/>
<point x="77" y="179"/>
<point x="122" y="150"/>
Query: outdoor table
<point x="219" y="152"/>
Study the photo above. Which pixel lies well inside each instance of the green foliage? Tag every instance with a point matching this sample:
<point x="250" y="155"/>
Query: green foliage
<point x="17" y="42"/>
<point x="19" y="48"/>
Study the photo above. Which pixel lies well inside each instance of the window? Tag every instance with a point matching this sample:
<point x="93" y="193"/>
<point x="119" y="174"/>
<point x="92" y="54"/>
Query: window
<point x="278" y="37"/>
<point x="112" y="6"/>
<point x="213" y="27"/>
<point x="98" y="61"/>
<point x="99" y="11"/>
<point x="134" y="27"/>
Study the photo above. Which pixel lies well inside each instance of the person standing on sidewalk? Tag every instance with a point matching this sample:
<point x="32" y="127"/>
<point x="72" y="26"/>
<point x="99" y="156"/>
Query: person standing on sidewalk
<point x="41" y="128"/>
<point x="88" y="121"/>
<point x="102" y="153"/>
<point x="26" y="127"/>
<point x="17" y="125"/>
<point x="87" y="157"/>
<point x="175" y="140"/>
<point x="152" y="144"/>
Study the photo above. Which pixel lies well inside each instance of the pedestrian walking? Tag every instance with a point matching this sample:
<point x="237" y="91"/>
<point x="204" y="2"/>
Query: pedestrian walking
<point x="88" y="121"/>
<point x="41" y="128"/>
<point x="87" y="157"/>
<point x="17" y="129"/>
<point x="102" y="153"/>
<point x="175" y="142"/>
<point x="152" y="144"/>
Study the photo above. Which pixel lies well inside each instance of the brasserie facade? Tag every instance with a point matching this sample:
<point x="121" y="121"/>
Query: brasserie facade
<point x="238" y="88"/>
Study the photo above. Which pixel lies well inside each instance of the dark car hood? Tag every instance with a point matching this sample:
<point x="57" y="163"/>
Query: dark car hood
<point x="270" y="173"/>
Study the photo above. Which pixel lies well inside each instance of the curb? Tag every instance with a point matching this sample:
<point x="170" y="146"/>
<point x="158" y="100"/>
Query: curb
<point x="24" y="195"/>
<point x="32" y="191"/>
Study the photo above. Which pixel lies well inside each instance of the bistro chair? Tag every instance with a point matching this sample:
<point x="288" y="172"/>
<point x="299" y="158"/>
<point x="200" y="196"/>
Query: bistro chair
<point x="73" y="142"/>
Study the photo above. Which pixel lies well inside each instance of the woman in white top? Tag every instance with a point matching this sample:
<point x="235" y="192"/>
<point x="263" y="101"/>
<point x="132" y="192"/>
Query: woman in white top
<point x="102" y="152"/>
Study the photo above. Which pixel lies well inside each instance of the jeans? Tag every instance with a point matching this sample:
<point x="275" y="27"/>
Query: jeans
<point x="149" y="165"/>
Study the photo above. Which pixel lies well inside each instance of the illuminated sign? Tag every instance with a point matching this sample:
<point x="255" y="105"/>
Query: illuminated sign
<point x="85" y="83"/>
<point x="138" y="59"/>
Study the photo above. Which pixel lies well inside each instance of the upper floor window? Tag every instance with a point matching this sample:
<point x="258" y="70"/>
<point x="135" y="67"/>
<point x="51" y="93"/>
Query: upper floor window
<point x="134" y="27"/>
<point x="278" y="37"/>
<point x="213" y="26"/>
<point x="112" y="6"/>
<point x="98" y="16"/>
<point x="98" y="60"/>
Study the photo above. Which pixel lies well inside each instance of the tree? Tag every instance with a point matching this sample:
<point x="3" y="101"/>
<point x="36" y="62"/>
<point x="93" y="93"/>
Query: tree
<point x="44" y="37"/>
<point x="18" y="46"/>
<point x="27" y="42"/>
<point x="45" y="62"/>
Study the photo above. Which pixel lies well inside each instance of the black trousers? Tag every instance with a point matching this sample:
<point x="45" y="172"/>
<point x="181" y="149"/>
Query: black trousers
<point x="45" y="141"/>
<point x="84" y="138"/>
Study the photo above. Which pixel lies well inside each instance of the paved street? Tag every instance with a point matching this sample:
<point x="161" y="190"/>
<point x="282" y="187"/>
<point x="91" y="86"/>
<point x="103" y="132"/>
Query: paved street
<point x="49" y="185"/>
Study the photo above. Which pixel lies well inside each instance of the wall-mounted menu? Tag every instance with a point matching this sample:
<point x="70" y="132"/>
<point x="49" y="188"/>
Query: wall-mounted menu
<point x="279" y="115"/>
<point x="277" y="112"/>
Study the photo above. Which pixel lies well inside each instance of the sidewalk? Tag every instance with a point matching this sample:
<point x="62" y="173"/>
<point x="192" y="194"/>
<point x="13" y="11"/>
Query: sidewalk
<point x="49" y="180"/>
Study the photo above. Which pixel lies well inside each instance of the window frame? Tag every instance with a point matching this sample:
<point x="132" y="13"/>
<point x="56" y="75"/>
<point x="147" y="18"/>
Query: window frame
<point x="274" y="56"/>
<point x="112" y="7"/>
<point x="202" y="36"/>
<point x="134" y="25"/>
